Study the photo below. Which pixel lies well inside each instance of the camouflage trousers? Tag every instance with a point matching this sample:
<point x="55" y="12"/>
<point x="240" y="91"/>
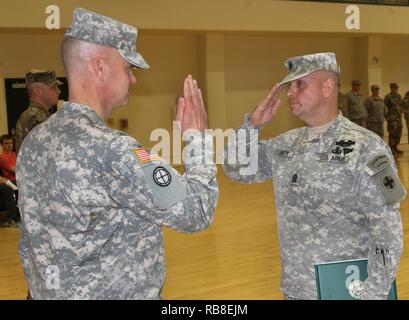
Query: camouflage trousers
<point x="376" y="126"/>
<point x="406" y="115"/>
<point x="360" y="122"/>
<point x="395" y="132"/>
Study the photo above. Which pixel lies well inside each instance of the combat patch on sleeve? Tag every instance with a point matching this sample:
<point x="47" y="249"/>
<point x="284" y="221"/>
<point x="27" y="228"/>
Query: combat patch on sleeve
<point x="386" y="179"/>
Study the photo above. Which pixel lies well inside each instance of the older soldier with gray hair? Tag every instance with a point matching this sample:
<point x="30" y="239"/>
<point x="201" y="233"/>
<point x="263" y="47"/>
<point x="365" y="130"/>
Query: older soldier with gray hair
<point x="93" y="200"/>
<point x="43" y="93"/>
<point x="336" y="185"/>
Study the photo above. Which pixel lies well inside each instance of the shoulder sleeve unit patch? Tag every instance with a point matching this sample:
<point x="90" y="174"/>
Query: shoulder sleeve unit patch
<point x="385" y="177"/>
<point x="166" y="185"/>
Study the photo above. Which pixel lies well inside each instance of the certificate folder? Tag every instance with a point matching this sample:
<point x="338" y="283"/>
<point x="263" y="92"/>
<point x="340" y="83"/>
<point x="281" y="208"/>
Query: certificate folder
<point x="334" y="280"/>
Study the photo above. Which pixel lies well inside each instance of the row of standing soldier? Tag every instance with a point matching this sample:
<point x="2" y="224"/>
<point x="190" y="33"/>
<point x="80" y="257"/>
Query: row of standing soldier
<point x="371" y="112"/>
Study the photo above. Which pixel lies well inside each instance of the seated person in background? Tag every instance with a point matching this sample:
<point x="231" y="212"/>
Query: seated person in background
<point x="8" y="202"/>
<point x="8" y="158"/>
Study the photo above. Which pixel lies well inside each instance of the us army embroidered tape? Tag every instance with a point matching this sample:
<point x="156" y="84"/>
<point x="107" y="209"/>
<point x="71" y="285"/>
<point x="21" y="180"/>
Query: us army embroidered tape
<point x="331" y="158"/>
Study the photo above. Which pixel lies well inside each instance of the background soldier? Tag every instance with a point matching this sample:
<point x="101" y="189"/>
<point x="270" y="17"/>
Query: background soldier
<point x="376" y="111"/>
<point x="393" y="102"/>
<point x="355" y="104"/>
<point x="43" y="92"/>
<point x="405" y="110"/>
<point x="342" y="103"/>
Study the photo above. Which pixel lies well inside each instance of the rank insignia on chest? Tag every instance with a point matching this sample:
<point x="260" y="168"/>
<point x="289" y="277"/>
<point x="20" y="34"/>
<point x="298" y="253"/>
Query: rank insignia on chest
<point x="144" y="156"/>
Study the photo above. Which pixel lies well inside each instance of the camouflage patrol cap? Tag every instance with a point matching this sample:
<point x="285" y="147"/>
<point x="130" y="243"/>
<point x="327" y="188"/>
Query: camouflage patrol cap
<point x="95" y="28"/>
<point x="394" y="85"/>
<point x="356" y="82"/>
<point x="302" y="66"/>
<point x="375" y="87"/>
<point x="45" y="76"/>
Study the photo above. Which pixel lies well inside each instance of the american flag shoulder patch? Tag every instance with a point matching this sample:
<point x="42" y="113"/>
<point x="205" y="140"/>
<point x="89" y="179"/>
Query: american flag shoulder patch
<point x="144" y="156"/>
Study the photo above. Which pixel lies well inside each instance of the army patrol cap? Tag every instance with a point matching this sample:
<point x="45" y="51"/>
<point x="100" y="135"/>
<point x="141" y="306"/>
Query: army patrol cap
<point x="375" y="87"/>
<point x="356" y="82"/>
<point x="302" y="66"/>
<point x="45" y="76"/>
<point x="95" y="28"/>
<point x="394" y="85"/>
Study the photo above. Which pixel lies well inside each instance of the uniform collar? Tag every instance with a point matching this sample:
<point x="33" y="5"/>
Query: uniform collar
<point x="83" y="109"/>
<point x="36" y="105"/>
<point x="327" y="138"/>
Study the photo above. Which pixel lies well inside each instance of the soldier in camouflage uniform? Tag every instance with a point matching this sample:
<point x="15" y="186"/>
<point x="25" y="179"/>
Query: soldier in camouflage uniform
<point x="393" y="102"/>
<point x="43" y="92"/>
<point x="376" y="111"/>
<point x="355" y="104"/>
<point x="93" y="200"/>
<point x="337" y="192"/>
<point x="405" y="110"/>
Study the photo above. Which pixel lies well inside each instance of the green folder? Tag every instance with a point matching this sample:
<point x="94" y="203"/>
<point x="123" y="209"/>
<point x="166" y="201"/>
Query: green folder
<point x="334" y="280"/>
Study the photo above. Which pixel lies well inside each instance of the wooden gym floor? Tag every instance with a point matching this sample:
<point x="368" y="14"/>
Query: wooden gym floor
<point x="236" y="258"/>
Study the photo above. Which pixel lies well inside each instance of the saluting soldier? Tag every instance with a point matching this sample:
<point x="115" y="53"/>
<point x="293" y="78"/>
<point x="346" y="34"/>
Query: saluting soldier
<point x="337" y="191"/>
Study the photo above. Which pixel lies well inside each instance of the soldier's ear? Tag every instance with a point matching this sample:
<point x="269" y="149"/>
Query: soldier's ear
<point x="328" y="87"/>
<point x="99" y="67"/>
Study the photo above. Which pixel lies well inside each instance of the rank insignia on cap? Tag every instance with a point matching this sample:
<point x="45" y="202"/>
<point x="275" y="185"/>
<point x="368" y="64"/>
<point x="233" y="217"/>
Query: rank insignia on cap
<point x="144" y="156"/>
